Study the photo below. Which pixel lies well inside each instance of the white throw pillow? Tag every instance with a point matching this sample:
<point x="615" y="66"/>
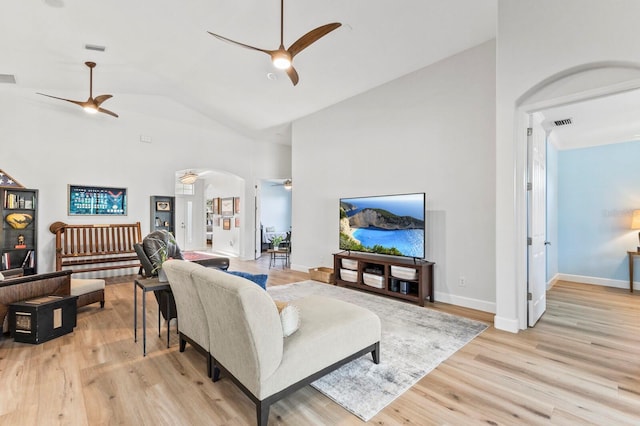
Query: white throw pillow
<point x="1" y="277"/>
<point x="289" y="317"/>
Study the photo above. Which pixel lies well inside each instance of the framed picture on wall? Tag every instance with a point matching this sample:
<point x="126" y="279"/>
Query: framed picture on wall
<point x="96" y="200"/>
<point x="226" y="206"/>
<point x="216" y="206"/>
<point x="226" y="223"/>
<point x="237" y="222"/>
<point x="236" y="205"/>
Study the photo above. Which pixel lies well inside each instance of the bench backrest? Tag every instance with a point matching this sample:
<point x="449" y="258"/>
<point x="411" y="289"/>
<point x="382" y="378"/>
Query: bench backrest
<point x="78" y="245"/>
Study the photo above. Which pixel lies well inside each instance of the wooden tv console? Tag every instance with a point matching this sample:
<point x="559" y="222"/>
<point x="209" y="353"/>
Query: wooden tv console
<point x="413" y="290"/>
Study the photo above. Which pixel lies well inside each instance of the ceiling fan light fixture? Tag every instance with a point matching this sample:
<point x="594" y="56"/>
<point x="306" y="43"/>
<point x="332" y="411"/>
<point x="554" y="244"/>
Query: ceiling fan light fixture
<point x="281" y="60"/>
<point x="91" y="109"/>
<point x="188" y="178"/>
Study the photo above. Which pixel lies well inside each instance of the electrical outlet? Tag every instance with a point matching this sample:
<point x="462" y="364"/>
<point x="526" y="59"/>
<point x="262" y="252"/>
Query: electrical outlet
<point x="462" y="282"/>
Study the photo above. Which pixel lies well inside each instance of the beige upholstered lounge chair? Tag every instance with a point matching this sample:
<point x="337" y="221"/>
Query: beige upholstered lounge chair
<point x="248" y="346"/>
<point x="193" y="327"/>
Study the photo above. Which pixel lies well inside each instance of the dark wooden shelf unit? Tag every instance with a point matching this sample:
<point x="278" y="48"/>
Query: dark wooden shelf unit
<point x="18" y="202"/>
<point x="162" y="219"/>
<point x="413" y="290"/>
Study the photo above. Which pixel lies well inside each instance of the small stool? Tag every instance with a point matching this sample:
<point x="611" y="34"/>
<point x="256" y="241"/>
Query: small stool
<point x="88" y="290"/>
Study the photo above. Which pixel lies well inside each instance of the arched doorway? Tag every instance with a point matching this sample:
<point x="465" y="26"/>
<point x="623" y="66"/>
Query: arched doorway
<point x="198" y="225"/>
<point x="577" y="84"/>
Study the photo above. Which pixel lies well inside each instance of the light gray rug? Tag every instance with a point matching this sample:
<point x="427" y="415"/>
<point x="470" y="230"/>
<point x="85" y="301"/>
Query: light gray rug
<point x="415" y="340"/>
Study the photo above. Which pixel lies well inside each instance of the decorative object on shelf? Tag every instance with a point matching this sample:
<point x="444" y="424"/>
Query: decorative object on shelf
<point x="635" y="224"/>
<point x="21" y="243"/>
<point x="7" y="181"/>
<point x="226" y="223"/>
<point x="288" y="184"/>
<point x="19" y="220"/>
<point x="283" y="58"/>
<point x="97" y="200"/>
<point x="216" y="221"/>
<point x="226" y="206"/>
<point x="91" y="105"/>
<point x="163" y="206"/>
<point x="189" y="178"/>
<point x="216" y="206"/>
<point x="236" y="205"/>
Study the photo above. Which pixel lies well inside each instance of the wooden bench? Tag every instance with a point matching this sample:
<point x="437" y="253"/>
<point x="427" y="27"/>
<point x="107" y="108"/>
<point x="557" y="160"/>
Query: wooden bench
<point x="98" y="247"/>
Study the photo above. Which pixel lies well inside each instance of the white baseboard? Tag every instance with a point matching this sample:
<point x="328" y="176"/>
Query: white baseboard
<point x="300" y="268"/>
<point x="465" y="302"/>
<point x="553" y="281"/>
<point x="606" y="282"/>
<point x="506" y="324"/>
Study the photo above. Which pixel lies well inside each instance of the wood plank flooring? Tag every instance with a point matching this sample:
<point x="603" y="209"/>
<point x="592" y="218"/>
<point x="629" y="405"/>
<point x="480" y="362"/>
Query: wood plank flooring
<point x="579" y="365"/>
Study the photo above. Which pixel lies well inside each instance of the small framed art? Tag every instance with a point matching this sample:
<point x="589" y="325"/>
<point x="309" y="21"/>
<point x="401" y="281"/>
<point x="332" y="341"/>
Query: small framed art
<point x="226" y="206"/>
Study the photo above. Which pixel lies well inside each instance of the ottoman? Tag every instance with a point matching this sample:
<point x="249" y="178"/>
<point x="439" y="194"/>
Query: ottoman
<point x="88" y="290"/>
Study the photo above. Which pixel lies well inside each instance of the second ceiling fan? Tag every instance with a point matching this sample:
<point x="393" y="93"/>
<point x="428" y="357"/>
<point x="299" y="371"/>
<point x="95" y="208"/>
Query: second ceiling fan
<point x="282" y="58"/>
<point x="91" y="105"/>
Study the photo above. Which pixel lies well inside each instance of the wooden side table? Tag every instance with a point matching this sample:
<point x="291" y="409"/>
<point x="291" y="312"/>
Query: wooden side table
<point x="631" y="255"/>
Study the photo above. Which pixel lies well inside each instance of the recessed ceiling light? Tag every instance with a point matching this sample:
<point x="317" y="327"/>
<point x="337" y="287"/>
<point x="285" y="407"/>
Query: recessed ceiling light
<point x="272" y="76"/>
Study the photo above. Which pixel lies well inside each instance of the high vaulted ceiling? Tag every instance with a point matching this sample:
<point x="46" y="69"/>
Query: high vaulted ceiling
<point x="162" y="48"/>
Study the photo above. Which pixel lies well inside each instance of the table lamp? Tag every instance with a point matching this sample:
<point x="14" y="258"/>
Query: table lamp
<point x="635" y="224"/>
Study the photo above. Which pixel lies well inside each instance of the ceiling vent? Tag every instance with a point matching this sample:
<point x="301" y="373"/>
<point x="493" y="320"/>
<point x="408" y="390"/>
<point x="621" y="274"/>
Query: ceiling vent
<point x="95" y="47"/>
<point x="564" y="122"/>
<point x="8" y="78"/>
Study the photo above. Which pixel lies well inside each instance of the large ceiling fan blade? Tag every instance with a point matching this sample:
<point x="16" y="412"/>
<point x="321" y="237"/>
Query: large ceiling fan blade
<point x="106" y="111"/>
<point x="228" y="40"/>
<point x="82" y="104"/>
<point x="311" y="37"/>
<point x="293" y="75"/>
<point x="98" y="100"/>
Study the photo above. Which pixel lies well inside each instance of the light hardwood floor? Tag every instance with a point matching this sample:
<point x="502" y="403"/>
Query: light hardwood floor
<point x="579" y="365"/>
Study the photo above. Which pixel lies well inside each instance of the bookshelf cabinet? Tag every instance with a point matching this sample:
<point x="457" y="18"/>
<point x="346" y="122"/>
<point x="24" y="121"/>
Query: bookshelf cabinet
<point x="401" y="278"/>
<point x="163" y="213"/>
<point x="19" y="232"/>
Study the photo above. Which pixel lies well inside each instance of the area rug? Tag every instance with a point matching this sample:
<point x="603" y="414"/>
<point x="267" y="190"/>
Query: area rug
<point x="415" y="340"/>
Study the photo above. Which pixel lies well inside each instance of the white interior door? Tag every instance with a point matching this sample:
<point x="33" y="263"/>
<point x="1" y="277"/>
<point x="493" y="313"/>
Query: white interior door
<point x="537" y="174"/>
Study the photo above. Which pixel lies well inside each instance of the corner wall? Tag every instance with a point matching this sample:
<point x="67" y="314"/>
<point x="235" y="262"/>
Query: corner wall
<point x="431" y="131"/>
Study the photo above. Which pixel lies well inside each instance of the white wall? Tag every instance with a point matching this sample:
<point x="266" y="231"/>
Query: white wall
<point x="431" y="131"/>
<point x="537" y="41"/>
<point x="47" y="144"/>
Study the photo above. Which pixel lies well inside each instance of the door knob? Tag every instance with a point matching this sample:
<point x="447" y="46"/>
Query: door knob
<point x="547" y="243"/>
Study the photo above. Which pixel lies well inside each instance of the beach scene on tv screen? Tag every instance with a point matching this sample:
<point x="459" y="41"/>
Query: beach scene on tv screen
<point x="392" y="224"/>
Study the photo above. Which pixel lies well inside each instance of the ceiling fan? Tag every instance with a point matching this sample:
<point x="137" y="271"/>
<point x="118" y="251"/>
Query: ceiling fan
<point x="91" y="105"/>
<point x="282" y="58"/>
<point x="288" y="184"/>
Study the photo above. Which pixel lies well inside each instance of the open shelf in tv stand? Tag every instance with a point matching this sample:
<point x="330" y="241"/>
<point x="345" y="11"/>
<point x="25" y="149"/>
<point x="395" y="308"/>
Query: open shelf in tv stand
<point x="419" y="289"/>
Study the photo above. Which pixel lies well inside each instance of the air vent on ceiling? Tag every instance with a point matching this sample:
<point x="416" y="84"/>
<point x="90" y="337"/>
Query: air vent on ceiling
<point x="564" y="122"/>
<point x="8" y="78"/>
<point x="95" y="47"/>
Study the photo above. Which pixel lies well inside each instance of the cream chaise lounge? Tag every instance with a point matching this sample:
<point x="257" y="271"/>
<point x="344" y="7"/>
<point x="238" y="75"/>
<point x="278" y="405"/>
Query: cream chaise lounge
<point x="246" y="341"/>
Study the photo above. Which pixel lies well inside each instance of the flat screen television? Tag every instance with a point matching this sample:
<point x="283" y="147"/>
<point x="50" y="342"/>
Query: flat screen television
<point x="385" y="224"/>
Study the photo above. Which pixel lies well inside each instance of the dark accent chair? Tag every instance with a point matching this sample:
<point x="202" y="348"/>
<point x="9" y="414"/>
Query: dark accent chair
<point x="148" y="270"/>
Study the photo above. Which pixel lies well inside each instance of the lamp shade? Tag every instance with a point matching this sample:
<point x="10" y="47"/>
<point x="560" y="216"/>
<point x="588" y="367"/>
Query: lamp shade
<point x="189" y="178"/>
<point x="635" y="221"/>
